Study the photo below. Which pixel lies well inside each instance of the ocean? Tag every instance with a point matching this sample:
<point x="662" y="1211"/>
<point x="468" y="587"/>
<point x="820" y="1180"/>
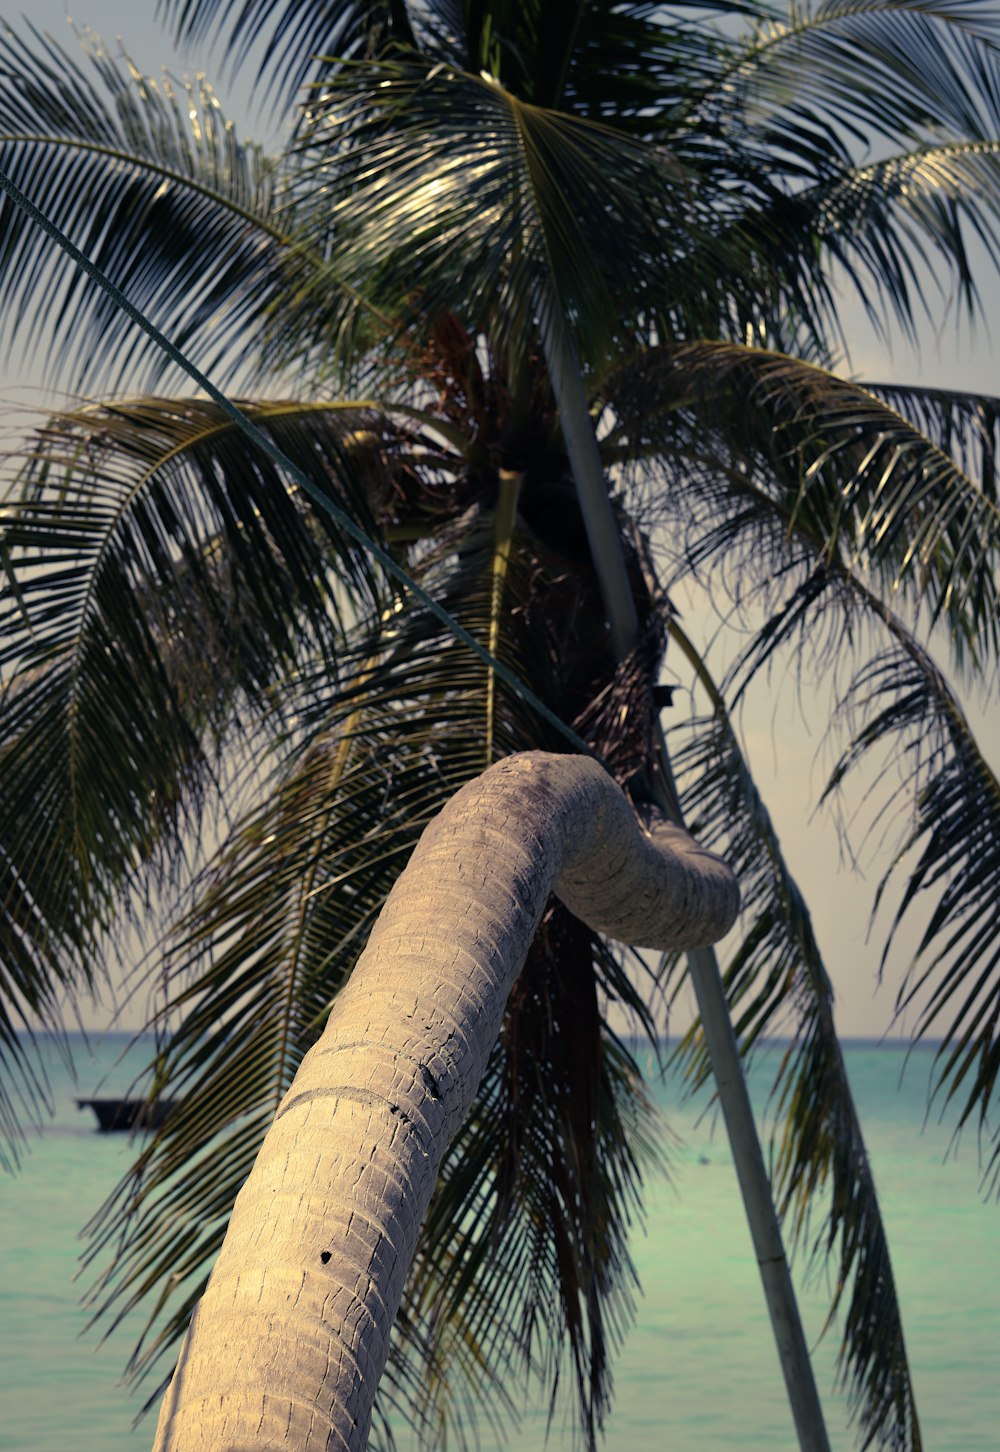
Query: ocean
<point x="698" y="1369"/>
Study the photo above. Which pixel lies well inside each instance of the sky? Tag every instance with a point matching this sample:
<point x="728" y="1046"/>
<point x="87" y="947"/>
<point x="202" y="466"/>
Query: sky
<point x="839" y="891"/>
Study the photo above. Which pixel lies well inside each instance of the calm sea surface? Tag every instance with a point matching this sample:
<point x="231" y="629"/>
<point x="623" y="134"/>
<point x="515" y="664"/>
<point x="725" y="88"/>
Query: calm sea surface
<point x="698" y="1370"/>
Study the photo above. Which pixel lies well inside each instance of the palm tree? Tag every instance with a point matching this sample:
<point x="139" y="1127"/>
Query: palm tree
<point x="509" y="252"/>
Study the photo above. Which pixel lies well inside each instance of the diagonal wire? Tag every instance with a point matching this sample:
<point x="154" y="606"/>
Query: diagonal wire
<point x="261" y="441"/>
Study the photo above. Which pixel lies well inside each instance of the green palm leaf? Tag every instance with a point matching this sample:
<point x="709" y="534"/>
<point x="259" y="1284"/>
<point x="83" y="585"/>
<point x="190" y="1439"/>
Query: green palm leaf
<point x="551" y="49"/>
<point x="502" y="207"/>
<point x="902" y="701"/>
<point x="299" y="37"/>
<point x="936" y="787"/>
<point x="541" y="1186"/>
<point x="505" y="204"/>
<point x="966" y="426"/>
<point x="895" y="67"/>
<point x="150" y="181"/>
<point x="923" y="728"/>
<point x="782" y="109"/>
<point x="37" y="925"/>
<point x="882" y="220"/>
<point x="806" y="468"/>
<point x="157" y="579"/>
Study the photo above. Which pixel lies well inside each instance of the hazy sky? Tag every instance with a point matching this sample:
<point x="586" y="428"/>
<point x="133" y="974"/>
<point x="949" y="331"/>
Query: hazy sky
<point x="839" y="895"/>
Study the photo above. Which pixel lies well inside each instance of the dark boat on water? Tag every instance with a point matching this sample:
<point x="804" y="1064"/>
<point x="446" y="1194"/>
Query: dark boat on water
<point x="126" y="1114"/>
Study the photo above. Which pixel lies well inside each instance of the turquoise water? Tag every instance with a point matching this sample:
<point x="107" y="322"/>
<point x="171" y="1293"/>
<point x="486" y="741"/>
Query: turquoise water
<point x="698" y="1370"/>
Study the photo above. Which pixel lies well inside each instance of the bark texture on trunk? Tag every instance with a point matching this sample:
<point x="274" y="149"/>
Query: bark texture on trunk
<point x="288" y="1343"/>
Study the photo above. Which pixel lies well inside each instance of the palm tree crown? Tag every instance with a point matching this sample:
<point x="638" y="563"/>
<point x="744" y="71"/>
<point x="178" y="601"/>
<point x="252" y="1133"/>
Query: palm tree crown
<point x="492" y="219"/>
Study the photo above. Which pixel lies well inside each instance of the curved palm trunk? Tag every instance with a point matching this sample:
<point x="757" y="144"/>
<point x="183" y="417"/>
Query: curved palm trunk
<point x="289" y="1341"/>
<point x="723" y="1051"/>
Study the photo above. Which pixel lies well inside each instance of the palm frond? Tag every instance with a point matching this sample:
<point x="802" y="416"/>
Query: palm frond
<point x="635" y="67"/>
<point x="932" y="786"/>
<point x="447" y="192"/>
<point x="938" y="789"/>
<point x="804" y="466"/>
<point x="965" y="426"/>
<point x="37" y="926"/>
<point x="146" y="534"/>
<point x="300" y="39"/>
<point x="881" y="221"/>
<point x="892" y="67"/>
<point x="910" y="724"/>
<point x="776" y="980"/>
<point x="549" y="51"/>
<point x="281" y="916"/>
<point x="786" y="109"/>
<point x="149" y="179"/>
<point x="157" y="578"/>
